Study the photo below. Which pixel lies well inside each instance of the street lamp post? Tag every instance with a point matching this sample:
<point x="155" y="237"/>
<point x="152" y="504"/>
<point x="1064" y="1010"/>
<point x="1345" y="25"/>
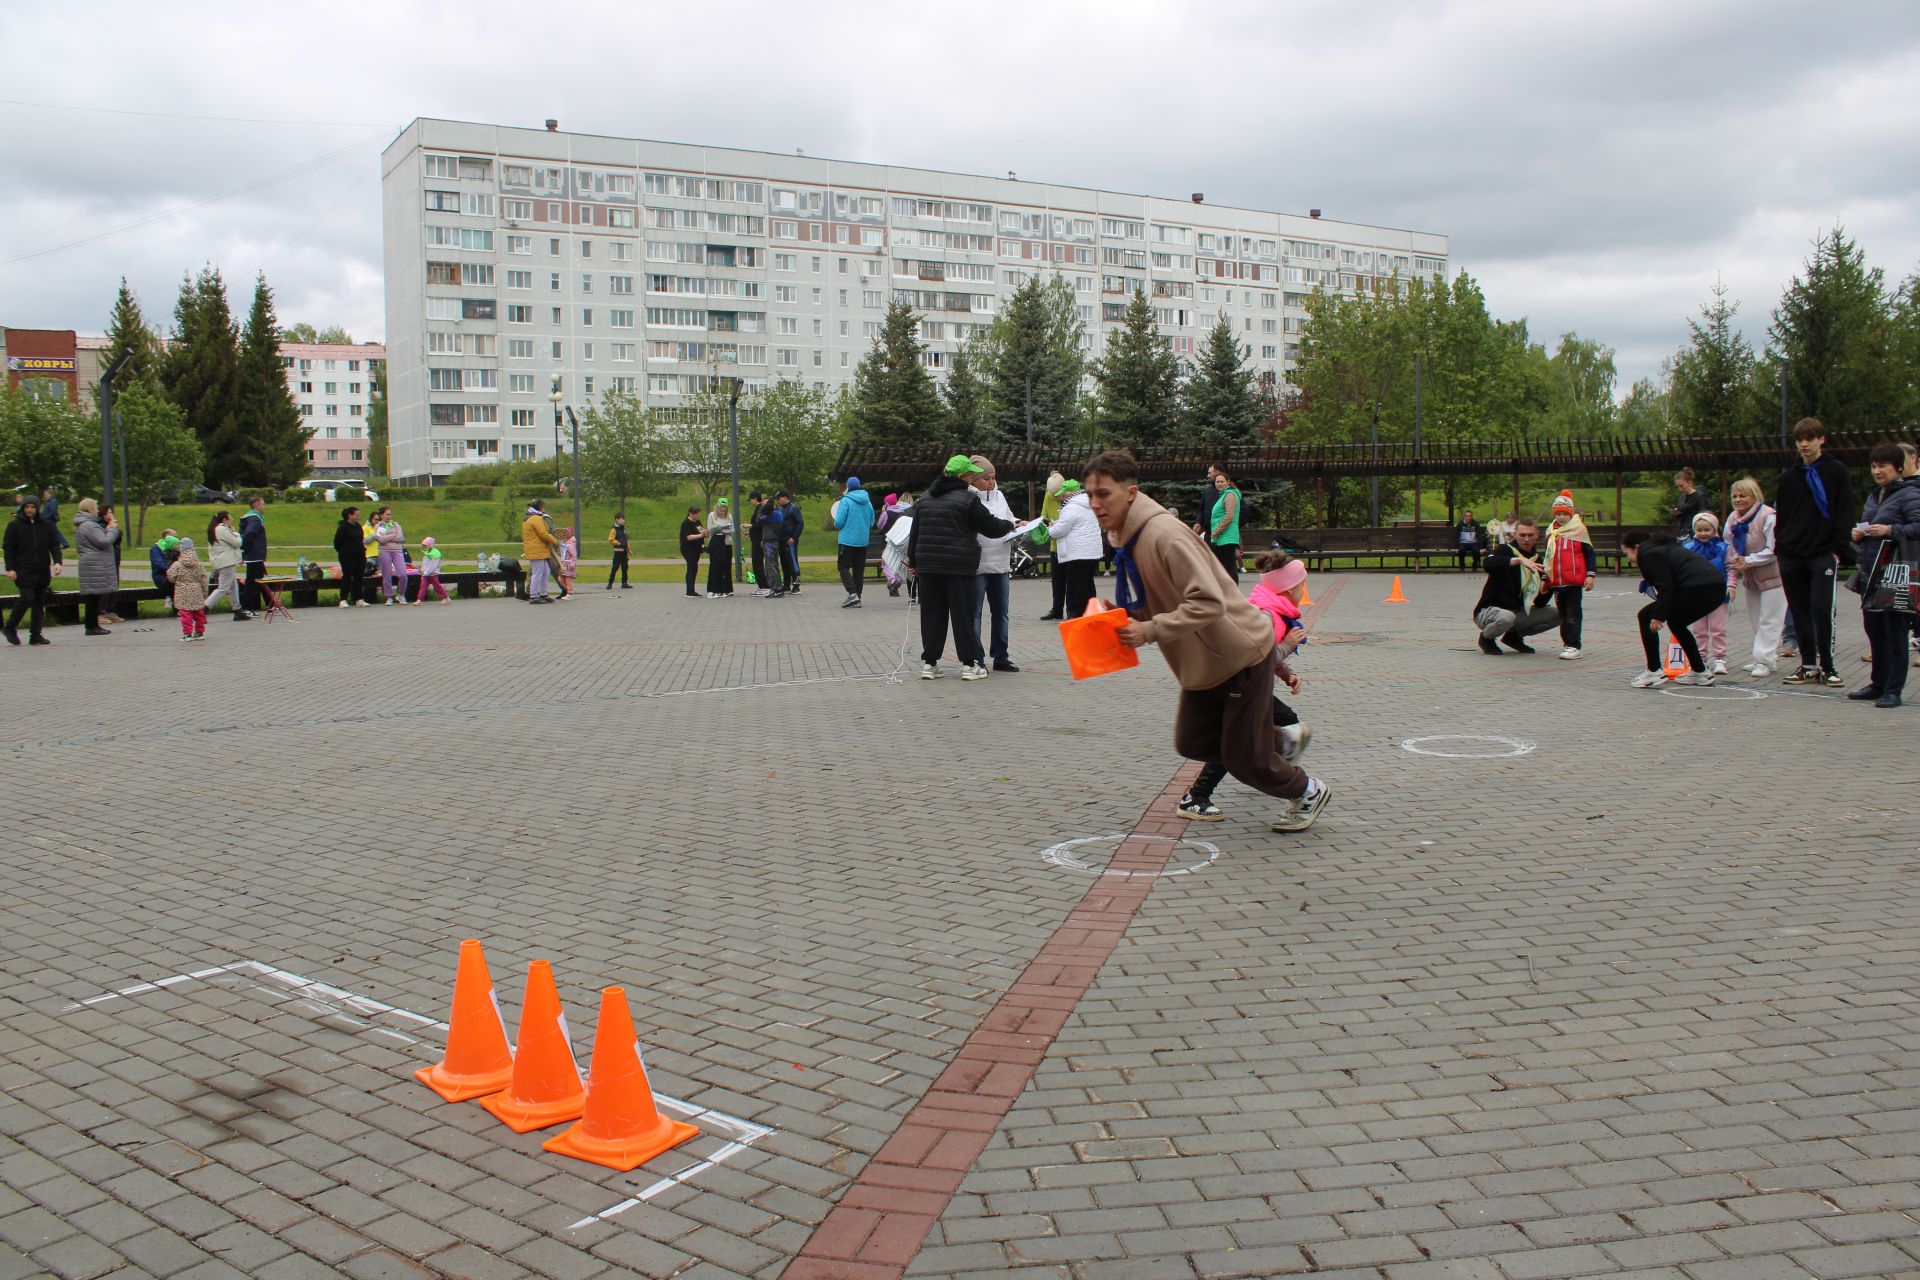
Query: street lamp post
<point x="733" y="445"/>
<point x="557" y="396"/>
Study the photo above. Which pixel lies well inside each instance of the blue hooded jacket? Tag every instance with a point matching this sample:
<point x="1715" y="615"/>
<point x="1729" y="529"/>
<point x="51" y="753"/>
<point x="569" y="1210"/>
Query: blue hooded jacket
<point x="853" y="516"/>
<point x="1714" y="549"/>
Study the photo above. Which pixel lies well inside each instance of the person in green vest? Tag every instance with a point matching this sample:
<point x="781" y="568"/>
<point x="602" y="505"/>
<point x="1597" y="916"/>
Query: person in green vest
<point x="1224" y="535"/>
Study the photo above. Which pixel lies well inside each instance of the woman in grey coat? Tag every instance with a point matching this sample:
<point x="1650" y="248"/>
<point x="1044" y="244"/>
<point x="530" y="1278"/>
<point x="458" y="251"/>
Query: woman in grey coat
<point x="99" y="578"/>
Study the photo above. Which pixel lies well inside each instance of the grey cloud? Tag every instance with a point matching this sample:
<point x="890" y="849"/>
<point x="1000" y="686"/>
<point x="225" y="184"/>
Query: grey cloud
<point x="1594" y="165"/>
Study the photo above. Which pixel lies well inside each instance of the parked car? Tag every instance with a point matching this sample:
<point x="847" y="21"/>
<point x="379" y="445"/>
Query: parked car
<point x="332" y="489"/>
<point x="201" y="493"/>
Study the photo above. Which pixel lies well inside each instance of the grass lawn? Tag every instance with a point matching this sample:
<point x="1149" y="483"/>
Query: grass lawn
<point x="1646" y="504"/>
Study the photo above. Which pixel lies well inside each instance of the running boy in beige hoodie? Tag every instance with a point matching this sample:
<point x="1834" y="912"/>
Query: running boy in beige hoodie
<point x="1219" y="647"/>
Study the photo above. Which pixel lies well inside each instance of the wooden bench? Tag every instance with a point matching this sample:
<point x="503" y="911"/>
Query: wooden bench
<point x="66" y="607"/>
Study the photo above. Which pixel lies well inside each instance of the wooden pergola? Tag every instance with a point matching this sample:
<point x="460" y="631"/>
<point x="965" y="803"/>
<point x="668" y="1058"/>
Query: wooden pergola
<point x="1618" y="456"/>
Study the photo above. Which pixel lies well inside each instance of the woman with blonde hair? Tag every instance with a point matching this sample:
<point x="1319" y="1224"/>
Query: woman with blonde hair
<point x="1754" y="572"/>
<point x="1049" y="512"/>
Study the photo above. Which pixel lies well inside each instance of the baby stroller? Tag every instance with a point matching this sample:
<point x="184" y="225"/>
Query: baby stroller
<point x="1022" y="561"/>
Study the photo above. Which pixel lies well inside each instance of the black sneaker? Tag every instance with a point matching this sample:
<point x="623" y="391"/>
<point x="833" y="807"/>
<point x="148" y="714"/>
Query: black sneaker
<point x="38" y="640"/>
<point x="1802" y="675"/>
<point x="1866" y="694"/>
<point x="1049" y="617"/>
<point x="1517" y="645"/>
<point x="1489" y="648"/>
<point x="13" y="637"/>
<point x="1008" y="667"/>
<point x="1200" y="808"/>
<point x="97" y="631"/>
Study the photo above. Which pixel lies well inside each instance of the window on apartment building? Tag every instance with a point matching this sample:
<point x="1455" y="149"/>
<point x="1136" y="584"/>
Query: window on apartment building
<point x="519" y="279"/>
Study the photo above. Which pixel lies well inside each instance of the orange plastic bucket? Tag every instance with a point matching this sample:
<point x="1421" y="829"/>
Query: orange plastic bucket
<point x="1093" y="644"/>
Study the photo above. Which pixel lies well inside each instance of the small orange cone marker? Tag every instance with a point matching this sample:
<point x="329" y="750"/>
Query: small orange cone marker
<point x="1306" y="595"/>
<point x="546" y="1086"/>
<point x="622" y="1128"/>
<point x="1676" y="664"/>
<point x="1394" y="596"/>
<point x="479" y="1061"/>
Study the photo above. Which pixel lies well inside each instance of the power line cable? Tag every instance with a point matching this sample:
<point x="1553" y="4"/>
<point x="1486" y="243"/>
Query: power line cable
<point x="177" y="115"/>
<point x="272" y="179"/>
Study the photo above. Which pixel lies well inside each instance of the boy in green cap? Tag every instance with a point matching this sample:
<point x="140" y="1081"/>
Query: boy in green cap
<point x="160" y="558"/>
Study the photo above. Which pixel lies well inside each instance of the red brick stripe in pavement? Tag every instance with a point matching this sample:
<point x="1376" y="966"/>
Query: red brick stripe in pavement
<point x="882" y="1220"/>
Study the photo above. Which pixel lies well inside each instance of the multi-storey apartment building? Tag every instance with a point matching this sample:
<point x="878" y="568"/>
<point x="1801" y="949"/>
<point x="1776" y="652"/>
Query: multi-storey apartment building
<point x="333" y="385"/>
<point x="513" y="255"/>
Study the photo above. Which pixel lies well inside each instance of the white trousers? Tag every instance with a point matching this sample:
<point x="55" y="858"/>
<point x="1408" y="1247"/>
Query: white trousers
<point x="1767" y="611"/>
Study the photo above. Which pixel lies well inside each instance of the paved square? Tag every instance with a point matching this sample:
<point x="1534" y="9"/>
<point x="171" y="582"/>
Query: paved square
<point x="1639" y="1001"/>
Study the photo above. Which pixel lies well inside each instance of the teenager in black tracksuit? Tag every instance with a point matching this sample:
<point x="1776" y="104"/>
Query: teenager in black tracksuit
<point x="1813" y="537"/>
<point x="621" y="546"/>
<point x="943" y="551"/>
<point x="1686" y="588"/>
<point x="350" y="549"/>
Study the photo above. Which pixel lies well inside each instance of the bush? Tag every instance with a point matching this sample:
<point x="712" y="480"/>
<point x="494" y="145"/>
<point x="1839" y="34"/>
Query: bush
<point x="465" y="493"/>
<point x="301" y="495"/>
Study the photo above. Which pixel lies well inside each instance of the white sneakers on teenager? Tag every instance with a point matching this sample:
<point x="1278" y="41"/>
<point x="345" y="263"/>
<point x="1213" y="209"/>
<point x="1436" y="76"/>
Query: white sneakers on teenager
<point x="974" y="671"/>
<point x="1759" y="670"/>
<point x="1719" y="666"/>
<point x="930" y="671"/>
<point x="1695" y="677"/>
<point x="1569" y="653"/>
<point x="1649" y="679"/>
<point x="1302" y="813"/>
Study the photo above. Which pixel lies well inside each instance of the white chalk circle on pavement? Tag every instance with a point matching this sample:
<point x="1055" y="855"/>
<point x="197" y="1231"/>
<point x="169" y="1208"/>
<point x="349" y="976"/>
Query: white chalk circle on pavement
<point x="1467" y="746"/>
<point x="1064" y="855"/>
<point x="1713" y="695"/>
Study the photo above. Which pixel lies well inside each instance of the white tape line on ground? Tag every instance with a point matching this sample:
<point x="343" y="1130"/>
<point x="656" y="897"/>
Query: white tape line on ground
<point x="1514" y="746"/>
<point x="1062" y="855"/>
<point x="332" y="1001"/>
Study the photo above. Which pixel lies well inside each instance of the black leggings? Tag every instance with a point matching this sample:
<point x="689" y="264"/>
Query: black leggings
<point x="693" y="573"/>
<point x="853" y="569"/>
<point x="1809" y="585"/>
<point x="352" y="574"/>
<point x="1077" y="575"/>
<point x="1682" y="609"/>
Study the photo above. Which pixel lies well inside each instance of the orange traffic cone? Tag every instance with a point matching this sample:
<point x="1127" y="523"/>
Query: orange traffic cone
<point x="622" y="1128"/>
<point x="479" y="1061"/>
<point x="546" y="1086"/>
<point x="1306" y="595"/>
<point x="1394" y="596"/>
<point x="1676" y="663"/>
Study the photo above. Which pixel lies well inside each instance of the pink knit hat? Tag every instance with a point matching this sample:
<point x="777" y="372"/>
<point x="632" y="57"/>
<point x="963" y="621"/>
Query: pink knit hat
<point x="1285" y="578"/>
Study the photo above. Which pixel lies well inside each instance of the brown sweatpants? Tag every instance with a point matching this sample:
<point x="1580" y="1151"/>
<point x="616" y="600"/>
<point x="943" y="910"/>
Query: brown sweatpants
<point x="1231" y="725"/>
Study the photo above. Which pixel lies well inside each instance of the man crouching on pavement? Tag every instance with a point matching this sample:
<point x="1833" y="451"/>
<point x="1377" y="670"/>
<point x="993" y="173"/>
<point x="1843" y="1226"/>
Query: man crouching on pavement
<point x="1219" y="647"/>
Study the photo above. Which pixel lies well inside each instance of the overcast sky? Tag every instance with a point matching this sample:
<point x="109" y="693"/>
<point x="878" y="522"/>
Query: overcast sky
<point x="1596" y="165"/>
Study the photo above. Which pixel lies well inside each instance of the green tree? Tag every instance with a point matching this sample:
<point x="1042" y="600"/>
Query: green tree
<point x="129" y="334"/>
<point x="47" y="440"/>
<point x="895" y="402"/>
<point x="1713" y="375"/>
<point x="1033" y="357"/>
<point x="198" y="371"/>
<point x="1136" y="399"/>
<point x="1904" y="347"/>
<point x="1647" y="409"/>
<point x="1580" y="376"/>
<point x="1219" y="408"/>
<point x="700" y="441"/>
<point x="162" y="456"/>
<point x="790" y="436"/>
<point x="265" y="440"/>
<point x="622" y="451"/>
<point x="965" y="396"/>
<point x="377" y="417"/>
<point x="1832" y="328"/>
<point x="301" y="332"/>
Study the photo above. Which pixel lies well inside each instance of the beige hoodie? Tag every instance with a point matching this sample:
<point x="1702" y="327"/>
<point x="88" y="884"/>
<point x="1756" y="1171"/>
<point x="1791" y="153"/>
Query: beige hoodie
<point x="1205" y="628"/>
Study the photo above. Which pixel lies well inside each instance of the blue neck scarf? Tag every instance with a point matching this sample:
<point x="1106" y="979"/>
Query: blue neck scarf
<point x="1128" y="589"/>
<point x="1818" y="488"/>
<point x="1737" y="532"/>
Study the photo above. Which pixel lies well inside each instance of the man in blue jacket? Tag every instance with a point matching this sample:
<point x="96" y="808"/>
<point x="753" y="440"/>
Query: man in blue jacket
<point x="853" y="517"/>
<point x="253" y="555"/>
<point x="769" y="535"/>
<point x="794" y="524"/>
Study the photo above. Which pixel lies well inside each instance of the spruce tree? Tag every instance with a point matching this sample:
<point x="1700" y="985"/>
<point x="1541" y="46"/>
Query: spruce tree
<point x="1832" y="328"/>
<point x="128" y="334"/>
<point x="1712" y="386"/>
<point x="1032" y="357"/>
<point x="1136" y="383"/>
<point x="199" y="366"/>
<point x="966" y="399"/>
<point x="1219" y="409"/>
<point x="377" y="417"/>
<point x="267" y="432"/>
<point x="895" y="402"/>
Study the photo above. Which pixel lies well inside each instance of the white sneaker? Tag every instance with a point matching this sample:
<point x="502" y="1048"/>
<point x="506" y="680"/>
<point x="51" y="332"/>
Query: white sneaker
<point x="974" y="672"/>
<point x="1759" y="671"/>
<point x="1293" y="741"/>
<point x="1302" y="813"/>
<point x="1695" y="677"/>
<point x="345" y="604"/>
<point x="1569" y="653"/>
<point x="1648" y="679"/>
<point x="930" y="671"/>
<point x="1719" y="666"/>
